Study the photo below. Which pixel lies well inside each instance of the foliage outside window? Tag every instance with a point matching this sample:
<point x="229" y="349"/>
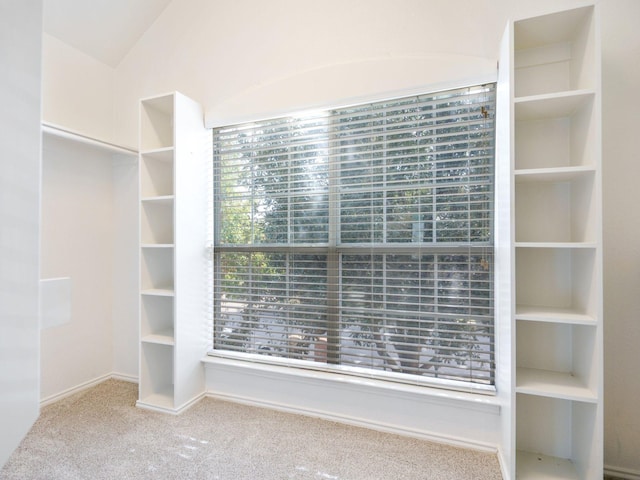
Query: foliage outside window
<point x="360" y="239"/>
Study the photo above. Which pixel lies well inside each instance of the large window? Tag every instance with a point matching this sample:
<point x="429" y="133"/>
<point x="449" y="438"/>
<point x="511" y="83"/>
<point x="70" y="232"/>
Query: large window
<point x="359" y="239"/>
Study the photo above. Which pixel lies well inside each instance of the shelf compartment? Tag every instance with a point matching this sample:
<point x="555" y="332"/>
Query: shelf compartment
<point x="156" y="173"/>
<point x="156" y="221"/>
<point x="157" y="318"/>
<point x="160" y="338"/>
<point x="156" y="123"/>
<point x="556" y="438"/>
<point x="553" y="384"/>
<point x="554" y="131"/>
<point x="555" y="52"/>
<point x="556" y="360"/>
<point x="156" y="379"/>
<point x="156" y="270"/>
<point x="558" y="279"/>
<point x="558" y="211"/>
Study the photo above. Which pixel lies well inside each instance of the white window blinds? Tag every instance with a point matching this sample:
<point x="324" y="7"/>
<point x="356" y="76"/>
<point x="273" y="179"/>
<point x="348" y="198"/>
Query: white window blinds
<point x="360" y="239"/>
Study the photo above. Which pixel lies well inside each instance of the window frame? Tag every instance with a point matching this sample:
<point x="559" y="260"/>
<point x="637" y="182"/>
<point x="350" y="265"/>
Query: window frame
<point x="335" y="249"/>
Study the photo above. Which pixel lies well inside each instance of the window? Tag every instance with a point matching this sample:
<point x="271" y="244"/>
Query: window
<point x="359" y="240"/>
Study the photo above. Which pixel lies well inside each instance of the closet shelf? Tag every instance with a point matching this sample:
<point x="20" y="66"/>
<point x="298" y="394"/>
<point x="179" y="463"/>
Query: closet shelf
<point x="551" y="105"/>
<point x="552" y="175"/>
<point x="160" y="199"/>
<point x="160" y="153"/>
<point x="569" y="316"/>
<point x="553" y="384"/>
<point x="61" y="132"/>
<point x="164" y="337"/>
<point x="156" y="245"/>
<point x="161" y="292"/>
<point x="563" y="245"/>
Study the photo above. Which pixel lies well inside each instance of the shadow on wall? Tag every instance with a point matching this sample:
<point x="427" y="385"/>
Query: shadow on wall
<point x="353" y="82"/>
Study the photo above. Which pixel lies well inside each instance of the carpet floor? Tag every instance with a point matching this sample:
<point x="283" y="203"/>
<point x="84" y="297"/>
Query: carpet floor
<point x="100" y="434"/>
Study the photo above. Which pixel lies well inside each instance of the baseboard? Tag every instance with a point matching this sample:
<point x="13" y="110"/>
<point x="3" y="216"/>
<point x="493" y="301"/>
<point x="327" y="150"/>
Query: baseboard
<point x="621" y="473"/>
<point x="356" y="422"/>
<point x="124" y="377"/>
<point x="73" y="390"/>
<point x="84" y="386"/>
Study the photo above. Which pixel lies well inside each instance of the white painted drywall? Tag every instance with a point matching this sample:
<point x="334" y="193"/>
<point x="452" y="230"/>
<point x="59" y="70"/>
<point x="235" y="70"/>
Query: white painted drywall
<point x="621" y="174"/>
<point x="77" y="90"/>
<point x="125" y="266"/>
<point x="77" y="242"/>
<point x="20" y="86"/>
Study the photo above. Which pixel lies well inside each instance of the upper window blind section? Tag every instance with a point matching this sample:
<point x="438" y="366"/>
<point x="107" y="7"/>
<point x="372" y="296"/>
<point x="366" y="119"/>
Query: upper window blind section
<point x="274" y="182"/>
<point x="417" y="169"/>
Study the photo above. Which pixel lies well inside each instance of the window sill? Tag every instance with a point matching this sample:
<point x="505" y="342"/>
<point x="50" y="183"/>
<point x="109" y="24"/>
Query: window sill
<point x="487" y="404"/>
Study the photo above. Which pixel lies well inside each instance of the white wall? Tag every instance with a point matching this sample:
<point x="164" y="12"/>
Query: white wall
<point x="77" y="242"/>
<point x="621" y="172"/>
<point x="20" y="85"/>
<point x="78" y="91"/>
<point x="125" y="266"/>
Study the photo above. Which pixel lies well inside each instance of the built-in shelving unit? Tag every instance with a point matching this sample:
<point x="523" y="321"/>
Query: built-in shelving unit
<point x="557" y="243"/>
<point x="172" y="263"/>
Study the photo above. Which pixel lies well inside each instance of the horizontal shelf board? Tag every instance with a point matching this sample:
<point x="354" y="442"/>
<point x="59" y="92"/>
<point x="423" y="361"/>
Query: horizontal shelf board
<point x="164" y="337"/>
<point x="552" y="105"/>
<point x="166" y="199"/>
<point x="546" y="383"/>
<point x="560" y="174"/>
<point x="543" y="467"/>
<point x="553" y="314"/>
<point x="568" y="245"/>
<point x="157" y="245"/>
<point x="161" y="399"/>
<point x="68" y="134"/>
<point x="161" y="151"/>
<point x="164" y="154"/>
<point x="160" y="292"/>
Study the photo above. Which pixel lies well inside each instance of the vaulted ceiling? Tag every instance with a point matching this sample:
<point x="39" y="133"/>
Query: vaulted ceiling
<point x="104" y="29"/>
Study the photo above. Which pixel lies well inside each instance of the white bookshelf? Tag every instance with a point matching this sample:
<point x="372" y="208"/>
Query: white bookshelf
<point x="172" y="265"/>
<point x="557" y="311"/>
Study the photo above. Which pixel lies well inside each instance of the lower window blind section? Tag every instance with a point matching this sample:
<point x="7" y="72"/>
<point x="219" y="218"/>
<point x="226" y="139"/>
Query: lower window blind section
<point x="361" y="238"/>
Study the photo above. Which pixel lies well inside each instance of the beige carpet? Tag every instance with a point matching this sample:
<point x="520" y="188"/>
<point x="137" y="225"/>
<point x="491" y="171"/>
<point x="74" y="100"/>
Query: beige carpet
<point x="100" y="434"/>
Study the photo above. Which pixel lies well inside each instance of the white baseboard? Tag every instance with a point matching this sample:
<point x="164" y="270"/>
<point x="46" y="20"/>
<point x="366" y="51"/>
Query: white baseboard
<point x="356" y="422"/>
<point x="85" y="385"/>
<point x="623" y="473"/>
<point x="124" y="377"/>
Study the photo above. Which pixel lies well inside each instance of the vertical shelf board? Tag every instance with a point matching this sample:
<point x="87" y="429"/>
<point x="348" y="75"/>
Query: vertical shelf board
<point x="156" y="222"/>
<point x="156" y="123"/>
<point x="504" y="269"/>
<point x="555" y="52"/>
<point x="156" y="374"/>
<point x="156" y="270"/>
<point x="554" y="131"/>
<point x="556" y="211"/>
<point x="562" y="278"/>
<point x="193" y="169"/>
<point x="156" y="174"/>
<point x="156" y="315"/>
